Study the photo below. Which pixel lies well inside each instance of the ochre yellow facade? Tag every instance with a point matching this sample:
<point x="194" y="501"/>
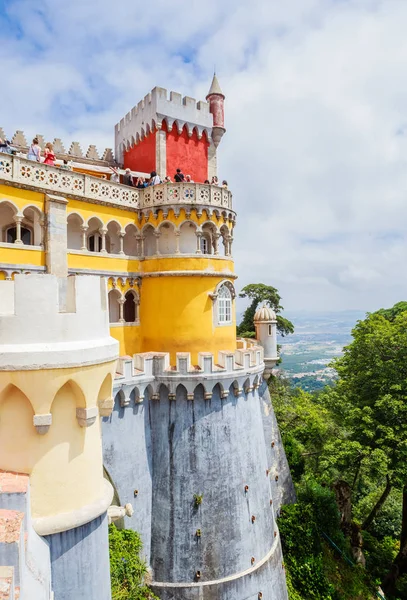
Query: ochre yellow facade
<point x="65" y="465"/>
<point x="179" y="317"/>
<point x="176" y="309"/>
<point x="22" y="197"/>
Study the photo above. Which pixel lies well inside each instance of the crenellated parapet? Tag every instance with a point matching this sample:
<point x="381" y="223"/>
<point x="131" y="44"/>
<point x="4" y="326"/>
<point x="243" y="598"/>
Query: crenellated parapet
<point x="156" y="107"/>
<point x="21" y="143"/>
<point x="235" y="373"/>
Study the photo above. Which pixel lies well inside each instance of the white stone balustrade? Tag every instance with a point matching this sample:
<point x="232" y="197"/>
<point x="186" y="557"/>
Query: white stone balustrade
<point x="22" y="172"/>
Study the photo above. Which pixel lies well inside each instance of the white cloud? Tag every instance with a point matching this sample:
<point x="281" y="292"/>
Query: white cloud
<point x="316" y="146"/>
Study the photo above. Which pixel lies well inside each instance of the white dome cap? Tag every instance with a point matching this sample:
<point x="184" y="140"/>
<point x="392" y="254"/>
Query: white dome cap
<point x="265" y="313"/>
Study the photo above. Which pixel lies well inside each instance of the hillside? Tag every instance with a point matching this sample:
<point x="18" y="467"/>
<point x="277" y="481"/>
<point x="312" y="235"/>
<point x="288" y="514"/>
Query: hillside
<point x="318" y="338"/>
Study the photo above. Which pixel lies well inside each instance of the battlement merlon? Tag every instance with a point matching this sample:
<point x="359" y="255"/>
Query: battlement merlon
<point x="49" y="322"/>
<point x="154" y="109"/>
<point x="235" y="372"/>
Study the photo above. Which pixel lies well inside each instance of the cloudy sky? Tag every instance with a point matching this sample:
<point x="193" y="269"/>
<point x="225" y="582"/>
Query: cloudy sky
<point x="316" y="117"/>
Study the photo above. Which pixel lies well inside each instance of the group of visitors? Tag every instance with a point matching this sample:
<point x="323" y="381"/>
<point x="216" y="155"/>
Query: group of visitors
<point x="154" y="179"/>
<point x="48" y="157"/>
<point x="6" y="147"/>
<point x="34" y="153"/>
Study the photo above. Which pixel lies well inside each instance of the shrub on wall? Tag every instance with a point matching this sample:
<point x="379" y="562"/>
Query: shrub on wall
<point x="127" y="569"/>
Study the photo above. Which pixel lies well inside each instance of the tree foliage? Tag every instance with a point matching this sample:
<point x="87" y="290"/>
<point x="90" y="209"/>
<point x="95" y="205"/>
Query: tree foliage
<point x="355" y="432"/>
<point x="127" y="569"/>
<point x="313" y="568"/>
<point x="257" y="293"/>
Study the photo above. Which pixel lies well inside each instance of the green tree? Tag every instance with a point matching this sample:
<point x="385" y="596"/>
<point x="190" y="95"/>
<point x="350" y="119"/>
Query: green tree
<point x="259" y="292"/>
<point x="306" y="427"/>
<point x="372" y="389"/>
<point x="127" y="569"/>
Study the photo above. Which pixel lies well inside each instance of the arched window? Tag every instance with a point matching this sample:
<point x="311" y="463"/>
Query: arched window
<point x="205" y="245"/>
<point x="114" y="306"/>
<point x="130" y="307"/>
<point x="95" y="242"/>
<point x="224" y="305"/>
<point x="11" y="235"/>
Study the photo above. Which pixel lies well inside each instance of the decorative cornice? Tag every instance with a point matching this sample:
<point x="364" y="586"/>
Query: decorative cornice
<point x="108" y="274"/>
<point x="227" y="274"/>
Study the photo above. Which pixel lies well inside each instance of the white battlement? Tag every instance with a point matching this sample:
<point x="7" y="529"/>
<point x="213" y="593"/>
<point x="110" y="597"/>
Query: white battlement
<point x="240" y="370"/>
<point x="153" y="110"/>
<point x="46" y="321"/>
<point x="75" y="152"/>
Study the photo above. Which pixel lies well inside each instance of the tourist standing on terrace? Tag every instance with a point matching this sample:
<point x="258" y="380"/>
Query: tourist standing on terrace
<point x="140" y="183"/>
<point x="128" y="179"/>
<point x="49" y="156"/>
<point x="154" y="179"/>
<point x="115" y="176"/>
<point x="179" y="176"/>
<point x="6" y="148"/>
<point x="34" y="153"/>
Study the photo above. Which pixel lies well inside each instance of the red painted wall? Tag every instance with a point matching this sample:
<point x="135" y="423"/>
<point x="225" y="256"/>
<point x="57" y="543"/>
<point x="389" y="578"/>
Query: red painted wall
<point x="142" y="156"/>
<point x="188" y="154"/>
<point x="217" y="108"/>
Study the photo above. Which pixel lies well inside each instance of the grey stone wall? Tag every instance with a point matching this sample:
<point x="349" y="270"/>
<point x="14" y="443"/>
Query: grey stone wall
<point x="282" y="490"/>
<point x="269" y="579"/>
<point x="80" y="562"/>
<point x="212" y="448"/>
<point x="127" y="459"/>
<point x="172" y="449"/>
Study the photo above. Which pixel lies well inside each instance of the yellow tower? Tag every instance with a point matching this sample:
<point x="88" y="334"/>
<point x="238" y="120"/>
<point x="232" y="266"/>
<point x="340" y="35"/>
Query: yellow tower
<point x="57" y="364"/>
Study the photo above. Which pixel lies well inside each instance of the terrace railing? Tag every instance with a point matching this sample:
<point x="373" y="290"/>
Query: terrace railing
<point x="22" y="172"/>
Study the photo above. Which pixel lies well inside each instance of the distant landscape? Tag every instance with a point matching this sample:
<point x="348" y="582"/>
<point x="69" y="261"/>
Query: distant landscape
<point x="318" y="338"/>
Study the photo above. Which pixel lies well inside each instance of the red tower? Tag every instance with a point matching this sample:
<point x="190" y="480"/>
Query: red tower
<point x="163" y="135"/>
<point x="216" y="101"/>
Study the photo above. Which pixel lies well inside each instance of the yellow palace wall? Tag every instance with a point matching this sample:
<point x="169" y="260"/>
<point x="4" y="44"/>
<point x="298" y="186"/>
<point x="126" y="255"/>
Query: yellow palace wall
<point x="10" y="254"/>
<point x="65" y="465"/>
<point x="176" y="312"/>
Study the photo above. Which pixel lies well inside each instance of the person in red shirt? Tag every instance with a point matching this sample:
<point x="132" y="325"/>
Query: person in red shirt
<point x="49" y="156"/>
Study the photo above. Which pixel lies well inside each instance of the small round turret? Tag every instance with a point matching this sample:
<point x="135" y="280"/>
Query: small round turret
<point x="216" y="100"/>
<point x="265" y="321"/>
<point x="265" y="314"/>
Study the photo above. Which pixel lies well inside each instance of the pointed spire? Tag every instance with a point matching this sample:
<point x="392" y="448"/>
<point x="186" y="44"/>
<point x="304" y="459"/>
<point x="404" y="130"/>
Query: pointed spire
<point x="215" y="87"/>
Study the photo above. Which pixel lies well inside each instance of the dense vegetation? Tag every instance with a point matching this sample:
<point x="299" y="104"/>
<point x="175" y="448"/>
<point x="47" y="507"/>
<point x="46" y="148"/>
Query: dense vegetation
<point x="347" y="448"/>
<point x="127" y="569"/>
